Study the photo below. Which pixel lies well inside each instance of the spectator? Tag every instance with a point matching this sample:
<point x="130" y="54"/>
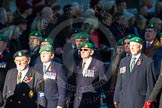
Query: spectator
<point x="3" y="18"/>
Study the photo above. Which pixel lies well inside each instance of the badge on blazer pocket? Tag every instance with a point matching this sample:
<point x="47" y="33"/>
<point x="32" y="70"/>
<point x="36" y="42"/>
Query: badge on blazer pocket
<point x="31" y="94"/>
<point x="122" y="70"/>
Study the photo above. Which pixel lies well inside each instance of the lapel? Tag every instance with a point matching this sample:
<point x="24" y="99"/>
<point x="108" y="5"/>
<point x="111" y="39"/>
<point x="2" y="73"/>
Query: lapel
<point x="128" y="65"/>
<point x="51" y="67"/>
<point x="138" y="63"/>
<point x="28" y="77"/>
<point x="12" y="82"/>
<point x="82" y="79"/>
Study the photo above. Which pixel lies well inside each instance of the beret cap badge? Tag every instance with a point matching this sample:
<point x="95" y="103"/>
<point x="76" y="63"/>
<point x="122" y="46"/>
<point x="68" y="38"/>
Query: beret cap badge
<point x="19" y="53"/>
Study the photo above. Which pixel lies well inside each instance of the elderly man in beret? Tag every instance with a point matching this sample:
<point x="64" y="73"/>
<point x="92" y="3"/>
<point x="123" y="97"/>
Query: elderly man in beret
<point x="47" y="41"/>
<point x="35" y="38"/>
<point x="54" y="78"/>
<point x="126" y="43"/>
<point x="136" y="78"/>
<point x="79" y="39"/>
<point x="85" y="78"/>
<point x="22" y="83"/>
<point x="151" y="44"/>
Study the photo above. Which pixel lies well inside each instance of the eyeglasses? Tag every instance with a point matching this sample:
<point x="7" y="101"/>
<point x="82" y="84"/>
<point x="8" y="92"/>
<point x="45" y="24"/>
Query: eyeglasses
<point x="126" y="43"/>
<point x="84" y="49"/>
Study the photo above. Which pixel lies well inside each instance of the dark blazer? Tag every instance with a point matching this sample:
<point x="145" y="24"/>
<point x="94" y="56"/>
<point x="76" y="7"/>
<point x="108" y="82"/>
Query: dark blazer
<point x="18" y="95"/>
<point x="55" y="91"/>
<point x="88" y="89"/>
<point x="133" y="88"/>
<point x="157" y="89"/>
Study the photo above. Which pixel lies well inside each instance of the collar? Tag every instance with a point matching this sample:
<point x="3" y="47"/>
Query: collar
<point x="149" y="42"/>
<point x="137" y="56"/>
<point x="88" y="60"/>
<point x="25" y="70"/>
<point x="47" y="64"/>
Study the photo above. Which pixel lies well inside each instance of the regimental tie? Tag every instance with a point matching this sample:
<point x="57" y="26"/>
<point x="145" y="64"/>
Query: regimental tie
<point x="19" y="76"/>
<point x="44" y="68"/>
<point x="147" y="44"/>
<point x="133" y="61"/>
<point x="83" y="66"/>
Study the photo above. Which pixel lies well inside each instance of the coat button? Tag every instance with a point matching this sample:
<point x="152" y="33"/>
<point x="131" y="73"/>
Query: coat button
<point x="11" y="100"/>
<point x="79" y="98"/>
<point x="19" y="102"/>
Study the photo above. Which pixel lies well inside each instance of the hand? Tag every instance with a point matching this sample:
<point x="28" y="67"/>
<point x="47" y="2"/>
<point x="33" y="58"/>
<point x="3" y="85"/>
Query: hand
<point x="116" y="104"/>
<point x="59" y="107"/>
<point x="148" y="104"/>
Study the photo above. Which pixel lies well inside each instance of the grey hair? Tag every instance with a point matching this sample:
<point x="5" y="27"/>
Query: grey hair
<point x="45" y="11"/>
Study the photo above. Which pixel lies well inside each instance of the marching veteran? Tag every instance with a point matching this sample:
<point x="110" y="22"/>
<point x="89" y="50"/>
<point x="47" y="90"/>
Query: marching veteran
<point x="89" y="77"/>
<point x="155" y="92"/>
<point x="136" y="78"/>
<point x="22" y="83"/>
<point x="54" y="78"/>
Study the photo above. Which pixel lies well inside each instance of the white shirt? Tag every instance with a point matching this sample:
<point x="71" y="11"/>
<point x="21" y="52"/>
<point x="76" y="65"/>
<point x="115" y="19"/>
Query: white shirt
<point x="137" y="57"/>
<point x="149" y="42"/>
<point x="24" y="72"/>
<point x="86" y="65"/>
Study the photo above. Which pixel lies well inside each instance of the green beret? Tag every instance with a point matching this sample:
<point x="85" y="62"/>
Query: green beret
<point x="87" y="45"/>
<point x="47" y="40"/>
<point x="75" y="30"/>
<point x="22" y="53"/>
<point x="129" y="36"/>
<point x="136" y="39"/>
<point x="3" y="37"/>
<point x="48" y="48"/>
<point x="150" y="25"/>
<point x="81" y="35"/>
<point x="161" y="35"/>
<point x="35" y="33"/>
<point x="120" y="42"/>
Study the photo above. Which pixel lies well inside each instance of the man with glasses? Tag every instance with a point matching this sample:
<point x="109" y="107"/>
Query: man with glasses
<point x="136" y="78"/>
<point x="126" y="44"/>
<point x="88" y="78"/>
<point x="79" y="39"/>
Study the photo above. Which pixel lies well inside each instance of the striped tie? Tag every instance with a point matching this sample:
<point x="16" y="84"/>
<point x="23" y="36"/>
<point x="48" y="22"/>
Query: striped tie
<point x="132" y="64"/>
<point x="19" y="77"/>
